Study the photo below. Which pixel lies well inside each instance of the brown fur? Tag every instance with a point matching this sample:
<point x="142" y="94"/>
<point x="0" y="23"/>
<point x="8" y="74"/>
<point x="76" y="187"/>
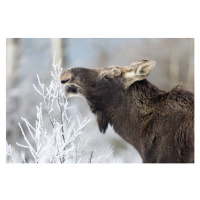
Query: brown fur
<point x="159" y="124"/>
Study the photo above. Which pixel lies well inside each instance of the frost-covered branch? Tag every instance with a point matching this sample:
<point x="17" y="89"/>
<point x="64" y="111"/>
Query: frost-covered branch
<point x="59" y="142"/>
<point x="9" y="152"/>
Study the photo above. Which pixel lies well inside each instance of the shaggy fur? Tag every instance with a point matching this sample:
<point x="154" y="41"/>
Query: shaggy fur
<point x="159" y="124"/>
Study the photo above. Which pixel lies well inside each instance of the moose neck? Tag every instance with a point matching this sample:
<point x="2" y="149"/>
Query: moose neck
<point x="130" y="116"/>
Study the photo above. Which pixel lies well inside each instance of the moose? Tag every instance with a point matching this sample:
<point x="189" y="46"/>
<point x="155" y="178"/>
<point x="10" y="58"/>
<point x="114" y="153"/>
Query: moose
<point x="159" y="124"/>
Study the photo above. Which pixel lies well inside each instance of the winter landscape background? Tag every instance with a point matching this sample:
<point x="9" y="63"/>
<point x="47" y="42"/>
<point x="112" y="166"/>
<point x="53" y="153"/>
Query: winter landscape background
<point x="27" y="57"/>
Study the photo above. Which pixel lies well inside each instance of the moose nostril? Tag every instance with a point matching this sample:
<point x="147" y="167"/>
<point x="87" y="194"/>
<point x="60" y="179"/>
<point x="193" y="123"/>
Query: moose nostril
<point x="65" y="81"/>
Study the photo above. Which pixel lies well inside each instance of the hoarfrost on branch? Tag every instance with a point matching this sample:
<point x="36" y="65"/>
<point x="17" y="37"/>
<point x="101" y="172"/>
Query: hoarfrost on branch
<point x="61" y="144"/>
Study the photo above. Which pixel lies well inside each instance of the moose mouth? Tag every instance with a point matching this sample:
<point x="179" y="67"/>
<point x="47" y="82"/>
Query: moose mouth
<point x="71" y="89"/>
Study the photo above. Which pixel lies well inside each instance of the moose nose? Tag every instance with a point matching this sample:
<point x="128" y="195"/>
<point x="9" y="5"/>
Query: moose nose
<point x="66" y="77"/>
<point x="65" y="81"/>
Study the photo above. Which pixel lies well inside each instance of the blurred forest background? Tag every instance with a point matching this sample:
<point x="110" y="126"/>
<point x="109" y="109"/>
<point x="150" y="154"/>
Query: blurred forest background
<point x="28" y="57"/>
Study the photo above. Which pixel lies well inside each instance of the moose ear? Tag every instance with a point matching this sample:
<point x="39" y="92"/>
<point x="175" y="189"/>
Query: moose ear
<point x="144" y="68"/>
<point x="138" y="71"/>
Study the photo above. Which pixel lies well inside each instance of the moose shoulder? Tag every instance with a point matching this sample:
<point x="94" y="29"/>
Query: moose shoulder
<point x="159" y="124"/>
